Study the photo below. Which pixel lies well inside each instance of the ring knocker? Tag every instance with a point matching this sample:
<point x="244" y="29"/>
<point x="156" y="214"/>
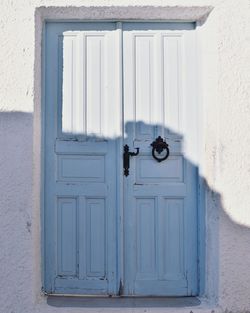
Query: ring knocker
<point x="159" y="145"/>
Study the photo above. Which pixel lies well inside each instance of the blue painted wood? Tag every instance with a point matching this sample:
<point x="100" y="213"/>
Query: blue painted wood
<point x="156" y="251"/>
<point x="66" y="236"/>
<point x="160" y="206"/>
<point x="80" y="190"/>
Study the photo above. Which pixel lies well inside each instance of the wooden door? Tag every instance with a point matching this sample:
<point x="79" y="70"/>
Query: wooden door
<point x="160" y="211"/>
<point x="82" y="121"/>
<point x="107" y="85"/>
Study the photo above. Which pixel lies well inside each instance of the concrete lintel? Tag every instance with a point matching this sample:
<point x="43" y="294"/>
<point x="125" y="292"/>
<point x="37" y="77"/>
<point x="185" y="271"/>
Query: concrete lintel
<point x="170" y="13"/>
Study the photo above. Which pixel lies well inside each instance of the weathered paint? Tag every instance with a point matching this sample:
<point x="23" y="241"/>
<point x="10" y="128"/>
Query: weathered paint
<point x="224" y="62"/>
<point x="158" y="243"/>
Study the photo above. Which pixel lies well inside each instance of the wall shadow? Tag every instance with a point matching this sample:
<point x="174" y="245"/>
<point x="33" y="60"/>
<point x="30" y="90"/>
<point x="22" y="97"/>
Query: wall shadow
<point x="143" y="134"/>
<point x="17" y="214"/>
<point x="16" y="210"/>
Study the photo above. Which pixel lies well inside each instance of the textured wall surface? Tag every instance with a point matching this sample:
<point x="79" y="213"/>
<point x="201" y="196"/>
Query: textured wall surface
<point x="224" y="48"/>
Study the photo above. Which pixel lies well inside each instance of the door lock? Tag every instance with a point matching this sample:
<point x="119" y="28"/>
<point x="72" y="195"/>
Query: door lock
<point x="126" y="157"/>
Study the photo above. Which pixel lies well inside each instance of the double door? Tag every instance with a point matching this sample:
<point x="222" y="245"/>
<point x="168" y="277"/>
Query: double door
<point x="118" y="223"/>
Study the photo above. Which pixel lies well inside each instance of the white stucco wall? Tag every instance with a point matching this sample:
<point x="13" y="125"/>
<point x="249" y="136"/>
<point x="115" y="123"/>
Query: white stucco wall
<point x="224" y="47"/>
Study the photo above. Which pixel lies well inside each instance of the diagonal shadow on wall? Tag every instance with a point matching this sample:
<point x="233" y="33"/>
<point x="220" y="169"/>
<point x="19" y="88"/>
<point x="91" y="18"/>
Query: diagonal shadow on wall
<point x="17" y="215"/>
<point x="200" y="190"/>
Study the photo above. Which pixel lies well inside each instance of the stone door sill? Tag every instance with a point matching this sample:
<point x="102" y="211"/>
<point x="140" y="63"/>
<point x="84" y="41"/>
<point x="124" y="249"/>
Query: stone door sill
<point x="122" y="302"/>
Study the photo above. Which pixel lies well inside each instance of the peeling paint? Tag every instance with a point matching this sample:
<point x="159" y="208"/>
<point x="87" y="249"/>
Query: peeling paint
<point x="28" y="226"/>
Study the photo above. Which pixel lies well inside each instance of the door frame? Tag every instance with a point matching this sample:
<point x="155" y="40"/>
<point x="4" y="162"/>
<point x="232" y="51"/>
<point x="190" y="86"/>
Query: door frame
<point x="39" y="114"/>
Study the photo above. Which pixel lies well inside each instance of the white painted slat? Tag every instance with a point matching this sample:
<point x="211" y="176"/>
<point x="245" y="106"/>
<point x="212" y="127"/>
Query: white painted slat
<point x="72" y="94"/>
<point x="68" y="94"/>
<point x="144" y="64"/>
<point x="94" y="83"/>
<point x="172" y="83"/>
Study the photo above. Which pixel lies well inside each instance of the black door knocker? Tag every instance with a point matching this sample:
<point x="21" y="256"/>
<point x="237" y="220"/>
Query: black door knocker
<point x="159" y="145"/>
<point x="126" y="156"/>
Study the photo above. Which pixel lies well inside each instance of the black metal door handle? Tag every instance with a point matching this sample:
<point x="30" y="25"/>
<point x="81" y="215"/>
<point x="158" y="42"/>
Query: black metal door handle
<point x="159" y="145"/>
<point x="126" y="157"/>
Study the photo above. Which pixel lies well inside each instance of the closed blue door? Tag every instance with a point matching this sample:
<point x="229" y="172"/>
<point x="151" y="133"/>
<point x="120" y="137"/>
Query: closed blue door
<point x="160" y="197"/>
<point x="106" y="233"/>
